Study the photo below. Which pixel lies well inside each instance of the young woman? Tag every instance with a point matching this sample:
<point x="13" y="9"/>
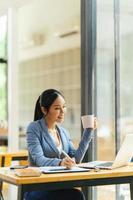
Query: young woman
<point x="46" y="140"/>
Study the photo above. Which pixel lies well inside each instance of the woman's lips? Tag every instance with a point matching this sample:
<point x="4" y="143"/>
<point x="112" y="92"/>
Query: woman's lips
<point x="61" y="117"/>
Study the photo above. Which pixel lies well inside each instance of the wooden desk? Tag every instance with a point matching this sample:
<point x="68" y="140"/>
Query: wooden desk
<point x="68" y="180"/>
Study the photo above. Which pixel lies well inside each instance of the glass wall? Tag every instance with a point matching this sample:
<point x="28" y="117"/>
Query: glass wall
<point x="105" y="89"/>
<point x="106" y="85"/>
<point x="126" y="71"/>
<point x="3" y="68"/>
<point x="126" y="75"/>
<point x="3" y="81"/>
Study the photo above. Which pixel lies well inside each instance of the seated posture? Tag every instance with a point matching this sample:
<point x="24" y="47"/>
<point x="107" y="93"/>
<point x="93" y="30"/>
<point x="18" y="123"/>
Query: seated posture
<point x="46" y="140"/>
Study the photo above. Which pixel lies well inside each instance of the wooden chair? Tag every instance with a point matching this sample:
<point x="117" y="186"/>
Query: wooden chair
<point x="6" y="161"/>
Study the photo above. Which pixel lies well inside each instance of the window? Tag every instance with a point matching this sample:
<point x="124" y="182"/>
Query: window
<point x="3" y="68"/>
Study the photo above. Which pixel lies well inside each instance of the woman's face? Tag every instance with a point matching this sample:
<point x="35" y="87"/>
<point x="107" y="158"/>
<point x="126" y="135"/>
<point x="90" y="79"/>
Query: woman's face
<point x="57" y="110"/>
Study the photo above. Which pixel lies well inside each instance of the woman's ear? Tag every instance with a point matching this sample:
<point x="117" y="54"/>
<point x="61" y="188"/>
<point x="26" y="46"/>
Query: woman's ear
<point x="44" y="111"/>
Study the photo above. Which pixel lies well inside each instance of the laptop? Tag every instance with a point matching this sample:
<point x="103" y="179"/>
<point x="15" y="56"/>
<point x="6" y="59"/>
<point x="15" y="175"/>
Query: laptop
<point x="123" y="156"/>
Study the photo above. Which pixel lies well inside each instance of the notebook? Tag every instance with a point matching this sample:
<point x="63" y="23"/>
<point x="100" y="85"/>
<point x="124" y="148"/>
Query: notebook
<point x="61" y="169"/>
<point x="123" y="156"/>
<point x="27" y="172"/>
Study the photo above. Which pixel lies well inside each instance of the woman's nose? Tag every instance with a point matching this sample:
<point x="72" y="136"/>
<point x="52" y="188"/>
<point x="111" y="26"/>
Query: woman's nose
<point x="62" y="110"/>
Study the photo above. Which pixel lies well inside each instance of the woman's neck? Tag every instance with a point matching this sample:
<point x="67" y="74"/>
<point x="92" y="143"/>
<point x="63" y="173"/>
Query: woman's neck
<point x="50" y="125"/>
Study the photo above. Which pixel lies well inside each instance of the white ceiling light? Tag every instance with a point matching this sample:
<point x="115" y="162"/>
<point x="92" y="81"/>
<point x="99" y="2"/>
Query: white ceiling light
<point x="69" y="32"/>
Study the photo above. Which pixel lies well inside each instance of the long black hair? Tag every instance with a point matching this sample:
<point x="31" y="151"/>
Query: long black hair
<point x="45" y="100"/>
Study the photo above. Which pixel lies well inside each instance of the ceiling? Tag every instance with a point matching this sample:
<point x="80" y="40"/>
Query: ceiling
<point x="44" y="15"/>
<point x="43" y="19"/>
<point x="5" y="4"/>
<point x="40" y="21"/>
<point x="48" y="17"/>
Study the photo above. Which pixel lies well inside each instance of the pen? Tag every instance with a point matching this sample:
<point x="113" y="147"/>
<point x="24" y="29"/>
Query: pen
<point x="67" y="156"/>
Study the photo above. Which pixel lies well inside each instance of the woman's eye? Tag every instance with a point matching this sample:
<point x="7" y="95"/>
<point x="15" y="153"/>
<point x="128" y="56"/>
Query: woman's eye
<point x="57" y="108"/>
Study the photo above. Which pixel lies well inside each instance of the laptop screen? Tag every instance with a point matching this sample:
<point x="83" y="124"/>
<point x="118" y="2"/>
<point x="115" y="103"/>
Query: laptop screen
<point x="125" y="153"/>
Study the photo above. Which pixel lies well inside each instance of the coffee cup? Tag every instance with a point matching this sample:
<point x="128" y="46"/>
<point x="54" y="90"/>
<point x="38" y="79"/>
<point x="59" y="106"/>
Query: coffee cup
<point x="87" y="121"/>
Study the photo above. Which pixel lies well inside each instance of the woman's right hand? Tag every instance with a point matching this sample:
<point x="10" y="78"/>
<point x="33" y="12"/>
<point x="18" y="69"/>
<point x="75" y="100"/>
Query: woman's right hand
<point x="68" y="162"/>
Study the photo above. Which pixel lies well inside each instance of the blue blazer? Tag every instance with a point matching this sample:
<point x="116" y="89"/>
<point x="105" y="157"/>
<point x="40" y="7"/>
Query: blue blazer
<point x="42" y="149"/>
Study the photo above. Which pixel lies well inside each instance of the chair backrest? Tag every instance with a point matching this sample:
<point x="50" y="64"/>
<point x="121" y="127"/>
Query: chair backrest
<point x="7" y="158"/>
